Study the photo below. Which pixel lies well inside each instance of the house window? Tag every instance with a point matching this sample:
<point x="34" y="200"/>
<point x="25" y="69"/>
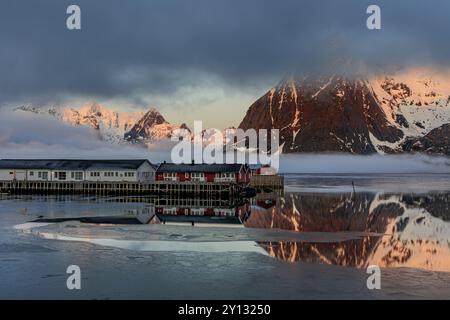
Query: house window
<point x="198" y="175"/>
<point x="129" y="174"/>
<point x="227" y="175"/>
<point x="43" y="175"/>
<point x="169" y="174"/>
<point x="78" y="175"/>
<point x="60" y="175"/>
<point x="31" y="173"/>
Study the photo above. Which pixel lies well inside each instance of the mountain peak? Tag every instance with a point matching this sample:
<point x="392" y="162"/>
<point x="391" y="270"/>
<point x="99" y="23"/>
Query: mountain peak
<point x="347" y="113"/>
<point x="112" y="126"/>
<point x="151" y="118"/>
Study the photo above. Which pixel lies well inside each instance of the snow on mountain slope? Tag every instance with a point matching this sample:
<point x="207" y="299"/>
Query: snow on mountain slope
<point x="422" y="100"/>
<point x="359" y="115"/>
<point x="112" y="126"/>
<point x="152" y="127"/>
<point x="319" y="114"/>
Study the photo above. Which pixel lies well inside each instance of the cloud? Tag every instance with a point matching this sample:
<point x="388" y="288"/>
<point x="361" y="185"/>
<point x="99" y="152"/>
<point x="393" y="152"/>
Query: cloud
<point x="27" y="135"/>
<point x="141" y="48"/>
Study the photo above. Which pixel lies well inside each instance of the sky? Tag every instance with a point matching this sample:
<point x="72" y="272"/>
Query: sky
<point x="202" y="59"/>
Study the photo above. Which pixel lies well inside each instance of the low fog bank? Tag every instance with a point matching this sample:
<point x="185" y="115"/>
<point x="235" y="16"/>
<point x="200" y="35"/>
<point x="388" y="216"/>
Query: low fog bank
<point x="57" y="151"/>
<point x="26" y="136"/>
<point x="342" y="163"/>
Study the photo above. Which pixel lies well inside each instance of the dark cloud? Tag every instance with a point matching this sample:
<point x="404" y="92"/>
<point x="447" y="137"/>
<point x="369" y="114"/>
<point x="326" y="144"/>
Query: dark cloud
<point x="132" y="48"/>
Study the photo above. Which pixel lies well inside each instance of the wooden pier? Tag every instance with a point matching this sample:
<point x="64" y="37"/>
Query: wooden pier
<point x="200" y="189"/>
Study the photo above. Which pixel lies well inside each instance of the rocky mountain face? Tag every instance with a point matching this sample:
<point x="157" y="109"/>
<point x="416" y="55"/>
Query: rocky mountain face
<point x="437" y="141"/>
<point x="338" y="114"/>
<point x="112" y="126"/>
<point x="152" y="126"/>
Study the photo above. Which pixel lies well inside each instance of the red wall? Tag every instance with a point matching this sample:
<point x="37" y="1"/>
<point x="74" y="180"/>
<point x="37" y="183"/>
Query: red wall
<point x="182" y="177"/>
<point x="210" y="177"/>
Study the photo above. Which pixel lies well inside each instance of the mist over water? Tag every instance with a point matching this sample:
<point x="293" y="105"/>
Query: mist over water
<point x="360" y="164"/>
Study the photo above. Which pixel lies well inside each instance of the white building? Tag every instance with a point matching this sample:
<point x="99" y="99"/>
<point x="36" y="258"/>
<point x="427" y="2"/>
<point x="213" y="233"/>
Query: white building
<point x="76" y="170"/>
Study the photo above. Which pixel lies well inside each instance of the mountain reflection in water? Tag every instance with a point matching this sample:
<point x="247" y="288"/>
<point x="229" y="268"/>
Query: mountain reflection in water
<point x="414" y="230"/>
<point x="400" y="230"/>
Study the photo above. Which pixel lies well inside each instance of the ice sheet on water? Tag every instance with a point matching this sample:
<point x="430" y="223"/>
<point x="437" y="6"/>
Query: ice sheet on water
<point x="158" y="238"/>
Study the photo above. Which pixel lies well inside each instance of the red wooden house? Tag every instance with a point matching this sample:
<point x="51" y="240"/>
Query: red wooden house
<point x="236" y="173"/>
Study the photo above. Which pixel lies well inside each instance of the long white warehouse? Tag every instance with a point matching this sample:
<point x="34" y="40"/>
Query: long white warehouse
<point x="76" y="170"/>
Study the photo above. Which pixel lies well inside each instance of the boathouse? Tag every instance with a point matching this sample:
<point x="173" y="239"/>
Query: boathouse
<point x="76" y="170"/>
<point x="230" y="173"/>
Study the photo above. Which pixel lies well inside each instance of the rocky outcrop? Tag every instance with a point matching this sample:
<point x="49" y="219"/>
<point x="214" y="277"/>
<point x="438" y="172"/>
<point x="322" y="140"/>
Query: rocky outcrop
<point x="437" y="141"/>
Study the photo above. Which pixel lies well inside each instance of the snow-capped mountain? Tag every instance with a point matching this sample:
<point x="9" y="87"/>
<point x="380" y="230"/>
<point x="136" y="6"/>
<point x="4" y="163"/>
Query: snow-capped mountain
<point x="152" y="127"/>
<point x="113" y="127"/>
<point x="386" y="113"/>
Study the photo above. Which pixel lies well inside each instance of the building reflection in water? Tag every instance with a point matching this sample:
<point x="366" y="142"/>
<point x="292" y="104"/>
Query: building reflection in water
<point x="398" y="230"/>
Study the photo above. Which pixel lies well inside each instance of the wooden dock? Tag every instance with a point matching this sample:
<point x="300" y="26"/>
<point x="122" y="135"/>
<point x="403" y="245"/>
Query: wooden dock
<point x="200" y="189"/>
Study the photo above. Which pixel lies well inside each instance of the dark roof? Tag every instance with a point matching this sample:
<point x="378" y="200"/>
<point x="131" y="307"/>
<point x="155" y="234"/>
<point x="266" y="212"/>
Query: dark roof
<point x="66" y="164"/>
<point x="206" y="168"/>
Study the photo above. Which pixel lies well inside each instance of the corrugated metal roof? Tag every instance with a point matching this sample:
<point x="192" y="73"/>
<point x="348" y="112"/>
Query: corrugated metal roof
<point x="70" y="164"/>
<point x="206" y="168"/>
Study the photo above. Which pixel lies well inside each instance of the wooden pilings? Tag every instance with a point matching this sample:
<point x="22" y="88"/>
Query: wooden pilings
<point x="122" y="188"/>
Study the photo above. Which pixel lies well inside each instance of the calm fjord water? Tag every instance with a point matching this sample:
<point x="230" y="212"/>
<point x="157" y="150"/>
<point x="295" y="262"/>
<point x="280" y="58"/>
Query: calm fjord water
<point x="315" y="240"/>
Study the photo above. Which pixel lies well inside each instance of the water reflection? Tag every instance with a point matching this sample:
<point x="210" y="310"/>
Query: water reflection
<point x="401" y="230"/>
<point x="139" y="210"/>
<point x="414" y="230"/>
